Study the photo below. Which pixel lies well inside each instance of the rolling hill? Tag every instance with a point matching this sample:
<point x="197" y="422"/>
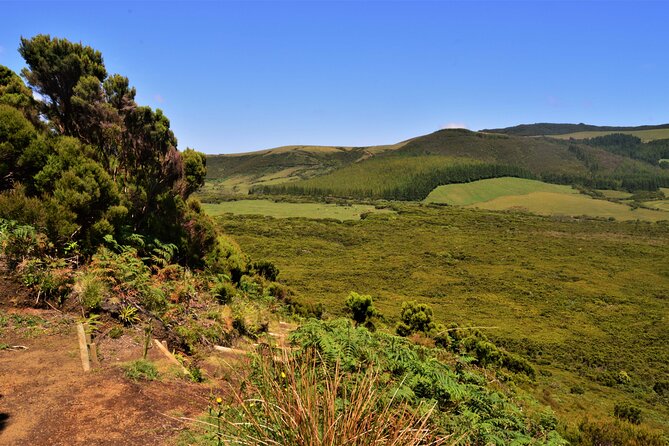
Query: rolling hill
<point x="583" y="130"/>
<point x="410" y="170"/>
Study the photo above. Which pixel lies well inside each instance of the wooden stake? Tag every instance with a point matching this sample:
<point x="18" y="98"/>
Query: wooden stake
<point x="93" y="350"/>
<point x="170" y="356"/>
<point x="233" y="351"/>
<point x="83" y="348"/>
<point x="88" y="334"/>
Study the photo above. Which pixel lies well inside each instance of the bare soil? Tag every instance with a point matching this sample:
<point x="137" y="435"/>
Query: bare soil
<point x="47" y="399"/>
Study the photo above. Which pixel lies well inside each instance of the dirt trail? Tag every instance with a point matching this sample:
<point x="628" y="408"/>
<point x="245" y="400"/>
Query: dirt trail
<point x="46" y="398"/>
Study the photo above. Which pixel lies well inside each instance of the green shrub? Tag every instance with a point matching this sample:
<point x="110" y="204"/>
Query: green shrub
<point x="627" y="412"/>
<point x="141" y="369"/>
<point x="415" y="317"/>
<point x="116" y="332"/>
<point x="266" y="269"/>
<point x="615" y="433"/>
<point x="50" y="279"/>
<point x="249" y="319"/>
<point x="91" y="291"/>
<point x="19" y="242"/>
<point x="416" y="375"/>
<point x="223" y="292"/>
<point x="128" y="315"/>
<point x="661" y="388"/>
<point x="361" y="309"/>
<point x="577" y="390"/>
<point x="278" y="291"/>
<point x="251" y="286"/>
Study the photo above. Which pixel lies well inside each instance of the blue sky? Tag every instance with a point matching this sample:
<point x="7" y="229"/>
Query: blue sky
<point x="240" y="76"/>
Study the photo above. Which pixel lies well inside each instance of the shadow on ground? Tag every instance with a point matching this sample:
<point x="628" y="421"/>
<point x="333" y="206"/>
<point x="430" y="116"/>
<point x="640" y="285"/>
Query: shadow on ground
<point x="3" y="420"/>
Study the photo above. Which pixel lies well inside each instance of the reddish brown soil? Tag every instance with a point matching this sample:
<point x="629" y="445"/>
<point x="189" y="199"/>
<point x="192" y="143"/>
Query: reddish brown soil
<point x="47" y="399"/>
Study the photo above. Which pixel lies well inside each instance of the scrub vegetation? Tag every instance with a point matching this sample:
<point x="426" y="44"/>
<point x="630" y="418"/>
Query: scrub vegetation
<point x="582" y="299"/>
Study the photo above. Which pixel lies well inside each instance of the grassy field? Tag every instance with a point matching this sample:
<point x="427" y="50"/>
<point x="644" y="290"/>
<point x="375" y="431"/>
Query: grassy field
<point x="584" y="299"/>
<point x="551" y="203"/>
<point x="658" y="204"/>
<point x="541" y="198"/>
<point x="486" y="190"/>
<point x="285" y="210"/>
<point x="644" y="135"/>
<point x="615" y="194"/>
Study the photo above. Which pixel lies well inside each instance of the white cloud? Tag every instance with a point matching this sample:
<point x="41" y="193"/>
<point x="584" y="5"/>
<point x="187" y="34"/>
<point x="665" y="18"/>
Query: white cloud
<point x="454" y="125"/>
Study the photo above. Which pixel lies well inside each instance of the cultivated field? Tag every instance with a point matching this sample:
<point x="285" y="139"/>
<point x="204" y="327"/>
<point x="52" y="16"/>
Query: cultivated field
<point x="520" y="194"/>
<point x="550" y="203"/>
<point x="286" y="210"/>
<point x="486" y="190"/>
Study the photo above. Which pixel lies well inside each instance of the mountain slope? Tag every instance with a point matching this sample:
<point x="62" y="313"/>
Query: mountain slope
<point x="411" y="169"/>
<point x="546" y="128"/>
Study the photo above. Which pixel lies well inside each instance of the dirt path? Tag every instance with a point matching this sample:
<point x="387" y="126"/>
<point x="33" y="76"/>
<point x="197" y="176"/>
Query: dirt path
<point x="46" y="398"/>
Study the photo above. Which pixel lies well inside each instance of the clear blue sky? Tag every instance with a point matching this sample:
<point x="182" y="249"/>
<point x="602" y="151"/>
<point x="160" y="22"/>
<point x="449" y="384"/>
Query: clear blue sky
<point x="239" y="76"/>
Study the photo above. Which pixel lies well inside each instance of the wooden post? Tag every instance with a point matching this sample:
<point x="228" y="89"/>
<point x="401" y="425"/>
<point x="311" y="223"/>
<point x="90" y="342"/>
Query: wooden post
<point x="83" y="348"/>
<point x="170" y="356"/>
<point x="88" y="334"/>
<point x="94" y="354"/>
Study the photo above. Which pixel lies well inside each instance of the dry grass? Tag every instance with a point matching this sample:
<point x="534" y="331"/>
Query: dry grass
<point x="298" y="401"/>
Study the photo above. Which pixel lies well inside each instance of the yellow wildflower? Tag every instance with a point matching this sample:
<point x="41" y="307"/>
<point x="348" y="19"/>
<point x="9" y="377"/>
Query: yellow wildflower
<point x="219" y="400"/>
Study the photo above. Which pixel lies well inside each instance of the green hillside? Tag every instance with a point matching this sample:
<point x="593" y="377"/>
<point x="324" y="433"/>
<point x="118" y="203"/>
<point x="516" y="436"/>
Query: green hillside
<point x="545" y="128"/>
<point x="644" y="135"/>
<point x="412" y="171"/>
<point x="236" y="173"/>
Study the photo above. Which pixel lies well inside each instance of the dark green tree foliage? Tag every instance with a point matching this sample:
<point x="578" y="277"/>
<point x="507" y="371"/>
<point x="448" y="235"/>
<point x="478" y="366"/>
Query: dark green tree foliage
<point x="361" y="309"/>
<point x="409" y="187"/>
<point x="631" y="146"/>
<point x="14" y="92"/>
<point x="108" y="166"/>
<point x="627" y="412"/>
<point x="17" y="134"/>
<point x="415" y="317"/>
<point x="195" y="169"/>
<point x="55" y="68"/>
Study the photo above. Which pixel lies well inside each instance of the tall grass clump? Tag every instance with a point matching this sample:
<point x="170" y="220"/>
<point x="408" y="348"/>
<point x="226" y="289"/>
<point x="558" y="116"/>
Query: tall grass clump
<point x="298" y="400"/>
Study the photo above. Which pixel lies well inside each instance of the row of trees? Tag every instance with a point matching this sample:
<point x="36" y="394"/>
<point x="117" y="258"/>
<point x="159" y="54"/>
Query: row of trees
<point x="85" y="161"/>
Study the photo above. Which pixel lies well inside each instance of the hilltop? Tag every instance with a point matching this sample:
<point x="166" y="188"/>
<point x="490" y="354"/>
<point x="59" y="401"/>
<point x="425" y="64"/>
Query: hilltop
<point x="547" y="128"/>
<point x="584" y="131"/>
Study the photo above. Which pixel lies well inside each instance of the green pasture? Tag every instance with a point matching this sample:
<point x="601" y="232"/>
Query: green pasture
<point x="658" y="204"/>
<point x="584" y="299"/>
<point x="551" y="203"/>
<point x="486" y="190"/>
<point x="286" y="210"/>
<point x="615" y="194"/>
